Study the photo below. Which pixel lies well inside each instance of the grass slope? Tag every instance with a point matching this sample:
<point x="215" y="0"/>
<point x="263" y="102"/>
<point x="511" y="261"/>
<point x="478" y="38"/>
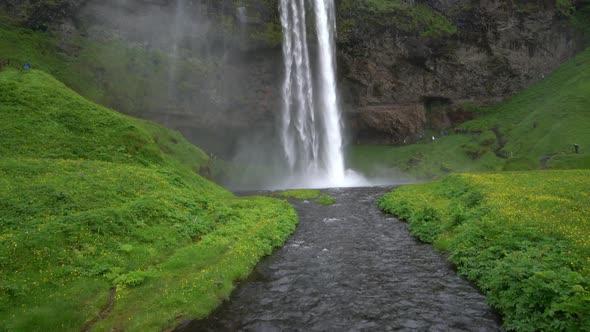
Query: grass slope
<point x="544" y="121"/>
<point x="523" y="237"/>
<point x="92" y="200"/>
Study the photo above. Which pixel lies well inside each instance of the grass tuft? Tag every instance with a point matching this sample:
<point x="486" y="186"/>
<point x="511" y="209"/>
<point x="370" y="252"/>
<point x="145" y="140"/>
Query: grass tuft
<point x="300" y="194"/>
<point x="325" y="199"/>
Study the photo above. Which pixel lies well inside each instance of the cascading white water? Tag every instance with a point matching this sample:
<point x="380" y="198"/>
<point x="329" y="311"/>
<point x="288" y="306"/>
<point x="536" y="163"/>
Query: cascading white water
<point x="311" y="123"/>
<point x="298" y="123"/>
<point x="177" y="33"/>
<point x="326" y="30"/>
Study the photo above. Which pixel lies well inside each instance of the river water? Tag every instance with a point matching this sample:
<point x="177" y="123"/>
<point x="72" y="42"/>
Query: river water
<point x="349" y="267"/>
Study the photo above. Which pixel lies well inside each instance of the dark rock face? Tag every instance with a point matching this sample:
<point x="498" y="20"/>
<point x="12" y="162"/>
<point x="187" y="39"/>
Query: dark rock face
<point x="238" y="104"/>
<point x="220" y="82"/>
<point x="388" y="124"/>
<point x="396" y="82"/>
<point x="496" y="51"/>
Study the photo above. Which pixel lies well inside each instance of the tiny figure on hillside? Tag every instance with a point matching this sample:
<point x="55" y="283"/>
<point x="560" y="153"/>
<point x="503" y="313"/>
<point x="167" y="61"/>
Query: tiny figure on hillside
<point x="27" y="66"/>
<point x="433" y="138"/>
<point x="577" y="148"/>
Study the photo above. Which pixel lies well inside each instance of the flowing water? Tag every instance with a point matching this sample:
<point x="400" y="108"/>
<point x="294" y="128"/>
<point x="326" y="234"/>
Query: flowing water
<point x="349" y="267"/>
<point x="311" y="122"/>
<point x="177" y="34"/>
<point x="332" y="124"/>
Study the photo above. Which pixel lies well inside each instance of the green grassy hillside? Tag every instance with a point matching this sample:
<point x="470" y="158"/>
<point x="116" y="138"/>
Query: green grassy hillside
<point x="99" y="209"/>
<point x="523" y="237"/>
<point x="534" y="129"/>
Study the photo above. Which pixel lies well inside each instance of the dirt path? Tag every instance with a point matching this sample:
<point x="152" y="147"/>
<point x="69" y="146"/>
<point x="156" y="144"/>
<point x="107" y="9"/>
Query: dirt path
<point x="103" y="313"/>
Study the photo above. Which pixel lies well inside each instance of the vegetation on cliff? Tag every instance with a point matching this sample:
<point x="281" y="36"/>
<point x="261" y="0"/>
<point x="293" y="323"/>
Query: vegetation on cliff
<point x="356" y="18"/>
<point x="524" y="238"/>
<point x="534" y="129"/>
<point x="40" y="14"/>
<point x="99" y="209"/>
<point x="110" y="72"/>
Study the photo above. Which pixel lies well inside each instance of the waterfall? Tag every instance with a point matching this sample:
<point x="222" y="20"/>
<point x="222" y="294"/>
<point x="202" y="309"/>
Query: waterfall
<point x="177" y="33"/>
<point x="326" y="30"/>
<point x="311" y="128"/>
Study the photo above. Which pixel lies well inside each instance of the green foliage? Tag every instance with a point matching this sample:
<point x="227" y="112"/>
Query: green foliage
<point x="488" y="138"/>
<point x="92" y="199"/>
<point x="38" y="48"/>
<point x="133" y="278"/>
<point x="300" y="194"/>
<point x="60" y="124"/>
<point x="111" y="72"/>
<point x="265" y="25"/>
<point x="414" y="19"/>
<point x="306" y="195"/>
<point x="473" y="151"/>
<point x="271" y="36"/>
<point x="565" y="8"/>
<point x="325" y="199"/>
<point x="524" y="238"/>
<point x="581" y="19"/>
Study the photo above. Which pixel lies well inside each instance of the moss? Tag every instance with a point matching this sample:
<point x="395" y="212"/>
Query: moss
<point x="271" y="35"/>
<point x="91" y="199"/>
<point x="114" y="73"/>
<point x="300" y="194"/>
<point x="307" y="195"/>
<point x="581" y="20"/>
<point x="325" y="199"/>
<point x="565" y="8"/>
<point x="413" y="19"/>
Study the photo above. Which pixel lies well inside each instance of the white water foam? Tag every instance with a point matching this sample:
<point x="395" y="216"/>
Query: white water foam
<point x="311" y="127"/>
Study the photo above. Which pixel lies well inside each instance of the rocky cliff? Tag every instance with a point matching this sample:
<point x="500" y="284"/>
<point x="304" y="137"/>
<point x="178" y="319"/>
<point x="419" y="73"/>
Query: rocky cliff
<point x="213" y="70"/>
<point x="397" y="81"/>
